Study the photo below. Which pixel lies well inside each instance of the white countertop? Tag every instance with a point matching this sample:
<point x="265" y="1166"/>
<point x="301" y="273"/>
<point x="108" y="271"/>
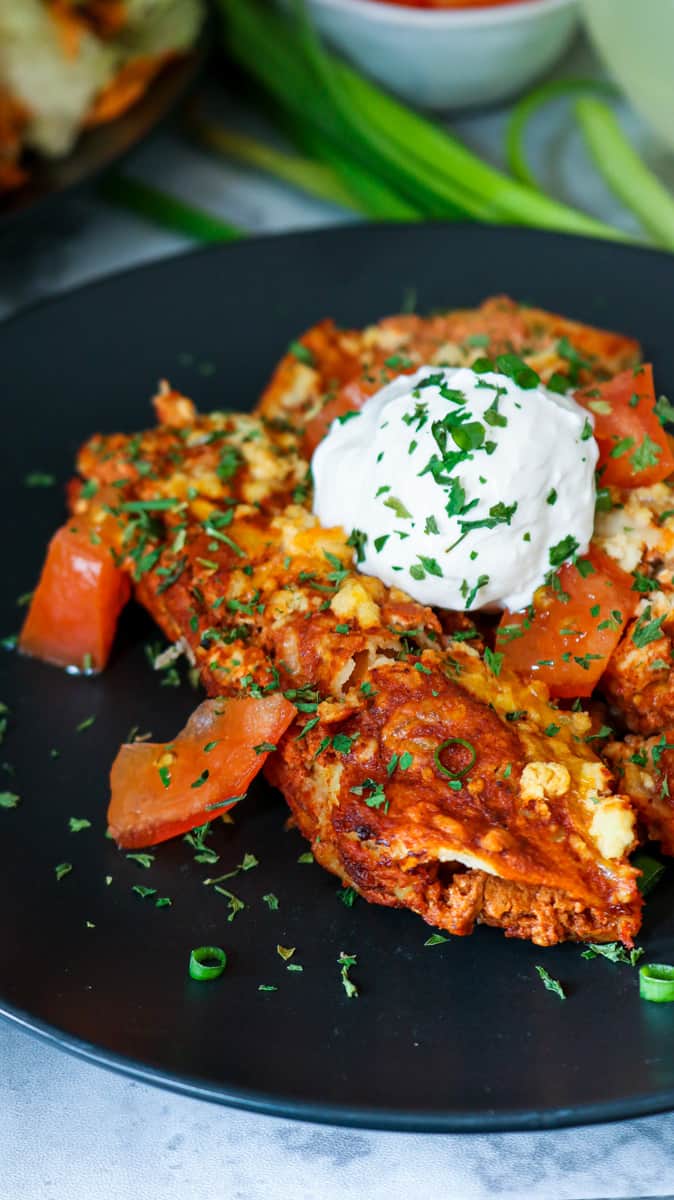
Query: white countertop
<point x="72" y="1131"/>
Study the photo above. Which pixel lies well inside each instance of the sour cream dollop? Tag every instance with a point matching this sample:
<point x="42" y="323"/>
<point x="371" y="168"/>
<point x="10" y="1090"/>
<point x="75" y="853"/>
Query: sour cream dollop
<point x="463" y="489"/>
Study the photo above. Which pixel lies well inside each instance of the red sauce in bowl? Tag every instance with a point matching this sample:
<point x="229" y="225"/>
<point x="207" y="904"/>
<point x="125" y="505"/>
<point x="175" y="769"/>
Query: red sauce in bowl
<point x="450" y="3"/>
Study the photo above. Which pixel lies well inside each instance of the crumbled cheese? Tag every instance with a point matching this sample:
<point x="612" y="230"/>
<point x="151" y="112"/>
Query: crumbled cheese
<point x="544" y="779"/>
<point x="612" y="827"/>
<point x="353" y="603"/>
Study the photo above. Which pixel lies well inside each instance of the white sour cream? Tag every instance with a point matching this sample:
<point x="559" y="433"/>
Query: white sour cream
<point x="467" y="488"/>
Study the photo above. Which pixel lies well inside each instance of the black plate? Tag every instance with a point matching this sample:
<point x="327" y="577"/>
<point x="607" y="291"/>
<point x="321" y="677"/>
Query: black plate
<point x="460" y="1036"/>
<point x="98" y="148"/>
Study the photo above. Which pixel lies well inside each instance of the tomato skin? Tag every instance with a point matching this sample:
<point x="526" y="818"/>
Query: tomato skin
<point x="144" y="810"/>
<point x="540" y="650"/>
<point x="624" y="420"/>
<point x="74" y="610"/>
<point x="350" y="398"/>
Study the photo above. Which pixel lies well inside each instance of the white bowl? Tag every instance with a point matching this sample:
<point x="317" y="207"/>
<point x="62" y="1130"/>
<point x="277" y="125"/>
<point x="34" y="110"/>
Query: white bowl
<point x="449" y="58"/>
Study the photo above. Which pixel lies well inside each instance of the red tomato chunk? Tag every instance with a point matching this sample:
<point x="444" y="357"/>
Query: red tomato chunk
<point x="73" y="614"/>
<point x="160" y="791"/>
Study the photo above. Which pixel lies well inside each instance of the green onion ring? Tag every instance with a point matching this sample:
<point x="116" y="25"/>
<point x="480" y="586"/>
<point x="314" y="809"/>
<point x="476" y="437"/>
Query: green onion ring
<point x="454" y="742"/>
<point x="525" y="109"/>
<point x="207" y="962"/>
<point x="656" y="982"/>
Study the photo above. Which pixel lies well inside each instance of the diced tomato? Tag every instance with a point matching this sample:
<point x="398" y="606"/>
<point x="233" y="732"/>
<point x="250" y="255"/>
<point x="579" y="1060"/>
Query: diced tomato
<point x="569" y="633"/>
<point x="634" y="449"/>
<point x="349" y="398"/>
<point x="73" y="613"/>
<point x="160" y="791"/>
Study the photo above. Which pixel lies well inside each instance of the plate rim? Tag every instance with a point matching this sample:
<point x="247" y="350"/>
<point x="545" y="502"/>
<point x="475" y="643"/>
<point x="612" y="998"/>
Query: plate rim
<point x="394" y="1119"/>
<point x="307" y="233"/>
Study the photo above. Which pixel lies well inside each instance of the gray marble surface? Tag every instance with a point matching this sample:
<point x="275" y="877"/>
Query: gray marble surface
<point x="71" y="1131"/>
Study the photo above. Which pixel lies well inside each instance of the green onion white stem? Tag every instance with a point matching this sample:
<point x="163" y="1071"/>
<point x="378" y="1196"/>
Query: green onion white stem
<point x="313" y="177"/>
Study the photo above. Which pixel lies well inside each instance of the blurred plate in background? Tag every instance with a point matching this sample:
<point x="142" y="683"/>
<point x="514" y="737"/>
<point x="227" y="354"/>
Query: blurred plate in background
<point x="98" y="148"/>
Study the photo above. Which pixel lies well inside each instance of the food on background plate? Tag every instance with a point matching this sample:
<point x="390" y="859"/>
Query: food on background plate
<point x="67" y="65"/>
<point x="430" y="761"/>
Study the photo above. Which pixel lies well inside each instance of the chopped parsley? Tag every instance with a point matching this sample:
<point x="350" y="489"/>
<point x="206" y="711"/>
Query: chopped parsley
<point x="376" y="797"/>
<point x="551" y="984"/>
<point x="648" y="628"/>
<point x="346" y="961"/>
<point x="234" y="903"/>
<point x="646" y="454"/>
<point x="615" y="952"/>
<point x="268" y="747"/>
<point x="575" y="360"/>
<point x="664" y="411"/>
<point x="39" y="479"/>
<point x="494" y="660"/>
<point x="562" y="550"/>
<point x="621" y="447"/>
<point x="643" y="584"/>
<point x="302" y="353"/>
<point x="143" y="860"/>
<point x="201" y="779"/>
<point x="398" y="508"/>
<point x="469" y="593"/>
<point x="358" y="539"/>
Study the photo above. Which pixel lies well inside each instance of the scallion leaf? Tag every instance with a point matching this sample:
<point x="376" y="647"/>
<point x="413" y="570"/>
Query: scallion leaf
<point x="624" y="171"/>
<point x="165" y="210"/>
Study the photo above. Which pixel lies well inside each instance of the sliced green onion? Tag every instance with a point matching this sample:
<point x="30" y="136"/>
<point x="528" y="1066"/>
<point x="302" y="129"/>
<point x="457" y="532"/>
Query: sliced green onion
<point x="369" y="193"/>
<point x="367" y="134"/>
<point x="656" y="982"/>
<point x="454" y="742"/>
<point x="651" y="872"/>
<point x="624" y="171"/>
<point x="528" y="106"/>
<point x="166" y="210"/>
<point x="207" y="962"/>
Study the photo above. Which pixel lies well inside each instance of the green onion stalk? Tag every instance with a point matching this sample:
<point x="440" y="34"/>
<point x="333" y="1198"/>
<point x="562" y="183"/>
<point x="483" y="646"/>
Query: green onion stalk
<point x="345" y="116"/>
